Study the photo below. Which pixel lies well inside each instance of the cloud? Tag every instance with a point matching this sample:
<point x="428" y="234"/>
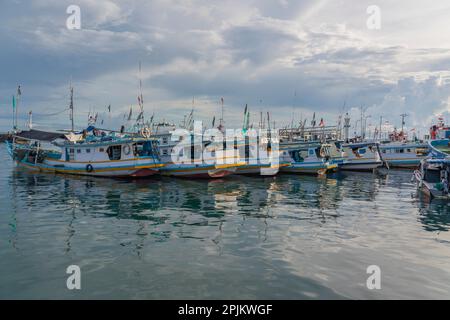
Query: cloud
<point x="279" y="56"/>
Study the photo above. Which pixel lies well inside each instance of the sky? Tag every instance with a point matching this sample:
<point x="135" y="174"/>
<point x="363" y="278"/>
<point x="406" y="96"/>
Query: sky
<point x="289" y="58"/>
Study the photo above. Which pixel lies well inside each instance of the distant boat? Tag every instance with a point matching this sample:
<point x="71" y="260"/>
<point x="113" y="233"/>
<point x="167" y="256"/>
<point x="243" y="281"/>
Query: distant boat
<point x="90" y="153"/>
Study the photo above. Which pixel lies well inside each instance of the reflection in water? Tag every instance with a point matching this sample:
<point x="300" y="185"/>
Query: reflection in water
<point x="434" y="215"/>
<point x="287" y="236"/>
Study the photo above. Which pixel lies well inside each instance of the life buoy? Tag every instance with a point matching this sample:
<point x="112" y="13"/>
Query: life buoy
<point x="145" y="132"/>
<point x="126" y="149"/>
<point x="322" y="153"/>
<point x="89" y="168"/>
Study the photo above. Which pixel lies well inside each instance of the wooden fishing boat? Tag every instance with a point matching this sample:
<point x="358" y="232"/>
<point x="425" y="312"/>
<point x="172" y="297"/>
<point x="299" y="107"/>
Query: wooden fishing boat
<point x="404" y="154"/>
<point x="433" y="178"/>
<point x="95" y="155"/>
<point x="305" y="158"/>
<point x="361" y="156"/>
<point x="190" y="157"/>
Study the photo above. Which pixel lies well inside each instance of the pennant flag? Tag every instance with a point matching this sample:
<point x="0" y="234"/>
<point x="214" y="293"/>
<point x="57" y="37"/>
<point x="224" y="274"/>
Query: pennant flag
<point x="213" y="121"/>
<point x="130" y="114"/>
<point x="19" y="92"/>
<point x="221" y="99"/>
<point x="313" y="121"/>
<point x="321" y="124"/>
<point x="14" y="102"/>
<point x="109" y="108"/>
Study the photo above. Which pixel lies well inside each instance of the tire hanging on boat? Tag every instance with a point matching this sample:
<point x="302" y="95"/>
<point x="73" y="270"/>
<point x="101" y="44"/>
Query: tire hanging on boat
<point x="89" y="168"/>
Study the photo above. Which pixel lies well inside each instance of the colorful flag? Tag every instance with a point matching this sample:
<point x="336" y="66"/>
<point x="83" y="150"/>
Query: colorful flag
<point x="322" y="123"/>
<point x="131" y="113"/>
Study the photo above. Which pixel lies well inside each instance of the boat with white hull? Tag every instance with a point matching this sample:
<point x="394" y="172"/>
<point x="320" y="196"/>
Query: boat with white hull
<point x="361" y="156"/>
<point x="305" y="158"/>
<point x="103" y="156"/>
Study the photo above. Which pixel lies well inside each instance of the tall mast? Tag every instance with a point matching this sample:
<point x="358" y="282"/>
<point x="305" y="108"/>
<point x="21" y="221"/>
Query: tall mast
<point x="403" y="115"/>
<point x="16" y="123"/>
<point x="71" y="107"/>
<point x="140" y="100"/>
<point x="381" y="121"/>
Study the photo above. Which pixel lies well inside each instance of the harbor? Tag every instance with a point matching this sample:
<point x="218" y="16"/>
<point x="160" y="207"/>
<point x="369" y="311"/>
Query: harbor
<point x="282" y="237"/>
<point x="308" y="219"/>
<point x="249" y="152"/>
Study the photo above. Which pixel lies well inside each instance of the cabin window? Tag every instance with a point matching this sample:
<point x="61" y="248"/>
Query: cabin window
<point x="114" y="152"/>
<point x="408" y="150"/>
<point x="402" y="150"/>
<point x="78" y="150"/>
<point x="384" y="151"/>
<point x="101" y="150"/>
<point x="88" y="150"/>
<point x="71" y="155"/>
<point x="143" y="149"/>
<point x="311" y="152"/>
<point x="213" y="153"/>
<point x="362" y="151"/>
<point x="164" y="140"/>
<point x="165" y="152"/>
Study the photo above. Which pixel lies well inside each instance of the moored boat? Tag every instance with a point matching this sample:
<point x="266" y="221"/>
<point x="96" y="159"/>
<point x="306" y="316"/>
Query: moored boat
<point x="433" y="177"/>
<point x="305" y="158"/>
<point x="404" y="154"/>
<point x="361" y="156"/>
<point x="93" y="155"/>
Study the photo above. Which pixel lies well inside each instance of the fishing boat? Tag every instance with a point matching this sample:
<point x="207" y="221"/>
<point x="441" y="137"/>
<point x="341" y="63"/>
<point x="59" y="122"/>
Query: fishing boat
<point x="191" y="156"/>
<point x="433" y="177"/>
<point x="361" y="156"/>
<point x="259" y="157"/>
<point x="306" y="158"/>
<point x="89" y="153"/>
<point x="404" y="154"/>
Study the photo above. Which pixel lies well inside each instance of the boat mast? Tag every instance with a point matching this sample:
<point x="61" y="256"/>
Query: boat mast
<point x="16" y="122"/>
<point x="403" y="115"/>
<point x="141" y="98"/>
<point x="71" y="107"/>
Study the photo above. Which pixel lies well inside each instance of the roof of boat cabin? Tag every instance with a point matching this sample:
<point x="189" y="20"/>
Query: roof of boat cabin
<point x="40" y="135"/>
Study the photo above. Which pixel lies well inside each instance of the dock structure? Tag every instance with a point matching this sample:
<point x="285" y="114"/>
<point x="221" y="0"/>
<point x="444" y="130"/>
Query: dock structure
<point x="323" y="133"/>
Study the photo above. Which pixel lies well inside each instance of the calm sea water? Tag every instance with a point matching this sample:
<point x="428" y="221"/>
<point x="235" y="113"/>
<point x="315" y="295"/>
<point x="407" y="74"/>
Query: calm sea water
<point x="290" y="237"/>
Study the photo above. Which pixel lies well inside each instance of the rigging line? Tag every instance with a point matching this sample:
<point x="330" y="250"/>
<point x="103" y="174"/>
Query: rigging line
<point x="51" y="114"/>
